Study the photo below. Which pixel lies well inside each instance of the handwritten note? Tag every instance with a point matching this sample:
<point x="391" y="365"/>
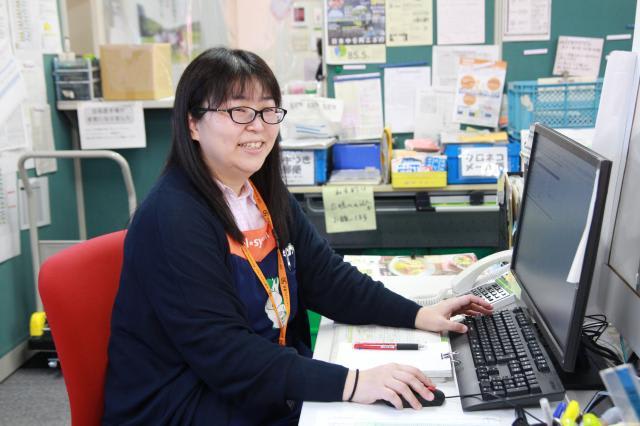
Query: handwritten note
<point x="409" y="22"/>
<point x="348" y="208"/>
<point x="578" y="56"/>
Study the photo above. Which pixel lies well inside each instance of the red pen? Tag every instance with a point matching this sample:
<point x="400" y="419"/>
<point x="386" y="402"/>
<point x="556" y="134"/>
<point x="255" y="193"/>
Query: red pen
<point x="388" y="346"/>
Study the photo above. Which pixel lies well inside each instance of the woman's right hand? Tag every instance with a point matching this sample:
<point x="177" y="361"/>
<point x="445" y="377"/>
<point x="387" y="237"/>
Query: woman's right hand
<point x="388" y="382"/>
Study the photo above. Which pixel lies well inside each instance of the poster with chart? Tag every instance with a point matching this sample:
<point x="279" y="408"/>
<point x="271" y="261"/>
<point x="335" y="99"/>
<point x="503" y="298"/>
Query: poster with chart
<point x="362" y="97"/>
<point x="355" y="31"/>
<point x="479" y="92"/>
<point x="400" y="87"/>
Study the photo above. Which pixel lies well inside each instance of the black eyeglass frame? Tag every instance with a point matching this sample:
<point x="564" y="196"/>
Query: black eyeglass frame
<point x="255" y="113"/>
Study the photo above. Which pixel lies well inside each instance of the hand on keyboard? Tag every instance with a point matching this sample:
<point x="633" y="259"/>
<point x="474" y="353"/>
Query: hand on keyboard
<point x="438" y="317"/>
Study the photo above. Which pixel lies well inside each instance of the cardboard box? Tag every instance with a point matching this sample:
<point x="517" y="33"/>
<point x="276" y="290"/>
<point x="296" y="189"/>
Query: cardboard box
<point x="136" y="71"/>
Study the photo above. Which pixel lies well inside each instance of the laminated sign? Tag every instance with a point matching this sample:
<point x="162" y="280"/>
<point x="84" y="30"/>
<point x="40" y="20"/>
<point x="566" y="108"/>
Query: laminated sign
<point x="490" y="161"/>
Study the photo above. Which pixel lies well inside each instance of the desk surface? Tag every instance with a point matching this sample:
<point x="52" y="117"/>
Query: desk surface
<point x="450" y="413"/>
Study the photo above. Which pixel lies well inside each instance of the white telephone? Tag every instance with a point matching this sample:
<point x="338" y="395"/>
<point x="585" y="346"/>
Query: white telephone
<point x="477" y="280"/>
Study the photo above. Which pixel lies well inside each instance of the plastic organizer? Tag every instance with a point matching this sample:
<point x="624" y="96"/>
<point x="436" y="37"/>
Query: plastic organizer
<point x="77" y="80"/>
<point x="454" y="171"/>
<point x="565" y="105"/>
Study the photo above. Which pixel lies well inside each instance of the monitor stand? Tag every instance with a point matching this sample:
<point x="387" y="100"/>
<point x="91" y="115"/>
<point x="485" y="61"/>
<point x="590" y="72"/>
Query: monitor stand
<point x="585" y="375"/>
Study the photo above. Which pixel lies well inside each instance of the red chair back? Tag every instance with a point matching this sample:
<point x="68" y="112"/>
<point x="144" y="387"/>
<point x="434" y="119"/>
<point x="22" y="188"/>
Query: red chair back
<point x="78" y="286"/>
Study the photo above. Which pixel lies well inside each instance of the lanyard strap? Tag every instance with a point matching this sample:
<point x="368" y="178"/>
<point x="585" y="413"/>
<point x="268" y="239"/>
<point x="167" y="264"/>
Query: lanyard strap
<point x="282" y="274"/>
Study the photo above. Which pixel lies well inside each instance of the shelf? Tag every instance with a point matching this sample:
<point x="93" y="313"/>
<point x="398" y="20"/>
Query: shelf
<point x="389" y="188"/>
<point x="165" y="103"/>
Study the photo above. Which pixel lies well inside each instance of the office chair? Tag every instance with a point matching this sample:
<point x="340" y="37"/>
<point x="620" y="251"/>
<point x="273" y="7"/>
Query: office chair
<point x="78" y="286"/>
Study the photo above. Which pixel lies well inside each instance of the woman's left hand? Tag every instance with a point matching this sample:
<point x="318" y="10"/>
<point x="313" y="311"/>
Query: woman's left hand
<point x="437" y="317"/>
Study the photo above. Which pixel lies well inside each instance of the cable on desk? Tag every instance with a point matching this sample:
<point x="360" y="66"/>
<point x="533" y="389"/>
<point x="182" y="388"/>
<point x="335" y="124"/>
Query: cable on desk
<point x="592" y="331"/>
<point x="478" y="397"/>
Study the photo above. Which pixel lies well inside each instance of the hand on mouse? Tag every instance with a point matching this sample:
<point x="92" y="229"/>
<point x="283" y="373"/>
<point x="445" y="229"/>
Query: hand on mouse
<point x="388" y="382"/>
<point x="437" y="317"/>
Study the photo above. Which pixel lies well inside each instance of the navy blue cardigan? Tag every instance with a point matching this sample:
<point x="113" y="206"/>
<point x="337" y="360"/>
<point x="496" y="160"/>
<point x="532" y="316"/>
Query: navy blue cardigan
<point x="182" y="350"/>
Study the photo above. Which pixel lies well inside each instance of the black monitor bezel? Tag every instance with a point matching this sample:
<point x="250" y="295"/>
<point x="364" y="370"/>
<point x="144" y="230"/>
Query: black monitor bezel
<point x="566" y="357"/>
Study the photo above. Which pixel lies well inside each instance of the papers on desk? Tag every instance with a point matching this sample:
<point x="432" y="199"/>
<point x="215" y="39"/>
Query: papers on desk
<point x="432" y="359"/>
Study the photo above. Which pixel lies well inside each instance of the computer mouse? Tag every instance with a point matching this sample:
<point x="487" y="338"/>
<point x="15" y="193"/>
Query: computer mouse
<point x="438" y="399"/>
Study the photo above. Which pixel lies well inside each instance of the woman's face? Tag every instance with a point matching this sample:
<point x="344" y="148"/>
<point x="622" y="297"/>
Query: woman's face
<point x="232" y="151"/>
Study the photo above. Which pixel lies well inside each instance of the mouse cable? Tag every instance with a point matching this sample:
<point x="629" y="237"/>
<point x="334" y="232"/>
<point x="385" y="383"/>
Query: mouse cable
<point x="478" y="397"/>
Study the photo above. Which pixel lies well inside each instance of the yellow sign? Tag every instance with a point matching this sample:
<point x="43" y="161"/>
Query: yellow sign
<point x="349" y="208"/>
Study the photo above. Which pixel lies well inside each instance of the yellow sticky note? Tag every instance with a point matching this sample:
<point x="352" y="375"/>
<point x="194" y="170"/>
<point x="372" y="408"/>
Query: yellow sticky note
<point x="348" y="208"/>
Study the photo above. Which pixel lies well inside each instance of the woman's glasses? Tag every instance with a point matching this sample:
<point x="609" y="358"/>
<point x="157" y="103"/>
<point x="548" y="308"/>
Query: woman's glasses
<point x="245" y="115"/>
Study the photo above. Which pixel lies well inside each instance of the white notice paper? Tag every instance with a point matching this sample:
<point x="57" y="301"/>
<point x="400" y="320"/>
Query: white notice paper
<point x="578" y="56"/>
<point x="483" y="162"/>
<point x="299" y="167"/>
<point x="5" y="28"/>
<point x="400" y="86"/>
<point x="409" y="22"/>
<point x="433" y="112"/>
<point x="49" y="26"/>
<point x="111" y="125"/>
<point x="12" y="86"/>
<point x="573" y="277"/>
<point x="362" y="97"/>
<point x="460" y="21"/>
<point x="13" y="133"/>
<point x="527" y="20"/>
<point x="9" y="231"/>
<point x="32" y="70"/>
<point x="42" y="137"/>
<point x="24" y="22"/>
<point x="446" y="60"/>
<point x="40" y="188"/>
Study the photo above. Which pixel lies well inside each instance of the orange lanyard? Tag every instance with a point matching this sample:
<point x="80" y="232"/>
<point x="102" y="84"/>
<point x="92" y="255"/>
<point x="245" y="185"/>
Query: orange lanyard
<point x="282" y="274"/>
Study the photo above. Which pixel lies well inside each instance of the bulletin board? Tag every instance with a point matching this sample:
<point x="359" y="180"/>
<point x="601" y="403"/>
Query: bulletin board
<point x="585" y="18"/>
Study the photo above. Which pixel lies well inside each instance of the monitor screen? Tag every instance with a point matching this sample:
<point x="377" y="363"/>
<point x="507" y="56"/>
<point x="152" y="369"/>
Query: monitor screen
<point x="557" y="237"/>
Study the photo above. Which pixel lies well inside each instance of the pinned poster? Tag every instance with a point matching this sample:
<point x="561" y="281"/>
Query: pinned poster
<point x="446" y="60"/>
<point x="460" y="21"/>
<point x="362" y="97"/>
<point x="409" y="22"/>
<point x="433" y="112"/>
<point x="400" y="86"/>
<point x="12" y="86"/>
<point x="526" y="20"/>
<point x="355" y="32"/>
<point x="9" y="228"/>
<point x="349" y="208"/>
<point x="578" y="56"/>
<point x="478" y="94"/>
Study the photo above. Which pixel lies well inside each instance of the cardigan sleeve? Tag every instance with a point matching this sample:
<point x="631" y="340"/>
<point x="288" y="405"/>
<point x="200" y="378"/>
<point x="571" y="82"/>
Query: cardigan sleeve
<point x="336" y="289"/>
<point x="179" y="250"/>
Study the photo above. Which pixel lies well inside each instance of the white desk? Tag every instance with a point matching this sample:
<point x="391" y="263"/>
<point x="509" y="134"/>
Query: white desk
<point x="450" y="413"/>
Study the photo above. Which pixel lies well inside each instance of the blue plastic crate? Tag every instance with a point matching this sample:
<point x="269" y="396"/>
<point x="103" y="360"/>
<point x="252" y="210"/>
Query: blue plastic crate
<point x="454" y="175"/>
<point x="566" y="105"/>
<point x="356" y="156"/>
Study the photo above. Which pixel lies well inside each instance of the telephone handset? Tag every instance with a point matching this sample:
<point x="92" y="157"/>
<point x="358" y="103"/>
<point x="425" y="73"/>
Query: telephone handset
<point x="477" y="280"/>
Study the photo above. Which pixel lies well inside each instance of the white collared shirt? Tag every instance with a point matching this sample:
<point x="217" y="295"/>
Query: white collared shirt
<point x="243" y="207"/>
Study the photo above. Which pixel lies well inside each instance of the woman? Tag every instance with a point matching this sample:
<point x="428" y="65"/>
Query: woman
<point x="220" y="265"/>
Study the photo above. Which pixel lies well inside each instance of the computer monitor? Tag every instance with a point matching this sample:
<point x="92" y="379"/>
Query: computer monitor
<point x="616" y="291"/>
<point x="557" y="239"/>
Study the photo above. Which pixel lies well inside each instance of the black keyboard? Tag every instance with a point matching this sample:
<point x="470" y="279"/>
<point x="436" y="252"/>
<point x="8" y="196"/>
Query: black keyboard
<point x="502" y="361"/>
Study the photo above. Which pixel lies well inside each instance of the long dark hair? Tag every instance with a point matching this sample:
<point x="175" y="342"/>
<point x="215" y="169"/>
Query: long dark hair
<point x="213" y="77"/>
